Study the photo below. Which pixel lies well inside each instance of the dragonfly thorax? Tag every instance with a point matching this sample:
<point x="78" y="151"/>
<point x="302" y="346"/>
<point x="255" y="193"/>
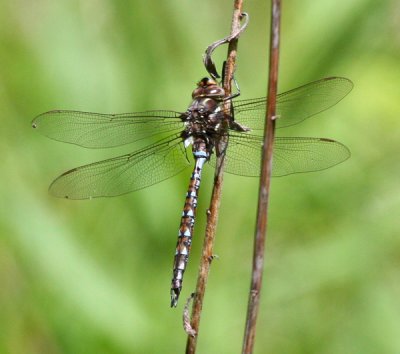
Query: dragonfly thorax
<point x="204" y="116"/>
<point x="203" y="119"/>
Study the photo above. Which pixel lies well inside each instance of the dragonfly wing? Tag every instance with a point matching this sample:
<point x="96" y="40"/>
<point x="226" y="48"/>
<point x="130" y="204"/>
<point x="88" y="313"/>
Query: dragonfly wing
<point x="123" y="174"/>
<point x="294" y="106"/>
<point x="243" y="155"/>
<point x="291" y="155"/>
<point x="96" y="130"/>
<point x="297" y="155"/>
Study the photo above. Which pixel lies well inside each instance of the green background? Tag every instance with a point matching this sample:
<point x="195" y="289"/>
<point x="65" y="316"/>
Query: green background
<point x="94" y="276"/>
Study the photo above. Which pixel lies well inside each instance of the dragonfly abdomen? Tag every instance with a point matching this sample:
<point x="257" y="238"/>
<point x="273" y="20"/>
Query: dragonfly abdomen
<point x="187" y="223"/>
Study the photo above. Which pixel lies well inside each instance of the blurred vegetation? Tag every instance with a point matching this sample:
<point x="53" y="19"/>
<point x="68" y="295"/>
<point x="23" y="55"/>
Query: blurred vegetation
<point x="94" y="276"/>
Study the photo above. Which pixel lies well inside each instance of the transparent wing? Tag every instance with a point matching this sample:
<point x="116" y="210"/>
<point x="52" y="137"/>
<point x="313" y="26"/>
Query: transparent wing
<point x="123" y="174"/>
<point x="291" y="155"/>
<point x="296" y="105"/>
<point x="96" y="130"/>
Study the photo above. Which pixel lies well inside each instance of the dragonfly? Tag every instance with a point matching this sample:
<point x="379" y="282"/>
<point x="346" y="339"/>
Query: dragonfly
<point x="199" y="128"/>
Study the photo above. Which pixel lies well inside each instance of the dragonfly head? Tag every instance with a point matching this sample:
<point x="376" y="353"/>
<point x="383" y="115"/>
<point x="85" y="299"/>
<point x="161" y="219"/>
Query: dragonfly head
<point x="207" y="87"/>
<point x="206" y="81"/>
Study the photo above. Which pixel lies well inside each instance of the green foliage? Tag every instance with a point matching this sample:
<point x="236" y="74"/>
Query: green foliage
<point x="94" y="276"/>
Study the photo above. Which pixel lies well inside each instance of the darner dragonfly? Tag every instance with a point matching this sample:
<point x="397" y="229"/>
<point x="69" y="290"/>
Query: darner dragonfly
<point x="199" y="127"/>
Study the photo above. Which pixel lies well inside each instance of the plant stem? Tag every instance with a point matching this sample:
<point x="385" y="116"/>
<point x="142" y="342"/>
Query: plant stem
<point x="212" y="213"/>
<point x="265" y="179"/>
